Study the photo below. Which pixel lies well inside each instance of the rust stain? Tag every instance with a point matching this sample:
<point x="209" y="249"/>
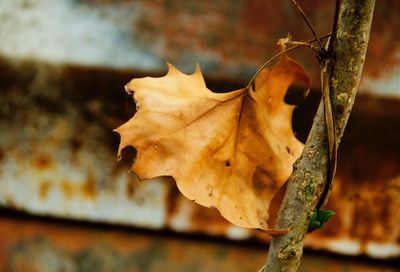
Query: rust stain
<point x="42" y="162"/>
<point x="384" y="43"/>
<point x="76" y="145"/>
<point x="88" y="188"/>
<point x="257" y="26"/>
<point x="364" y="212"/>
<point x="44" y="189"/>
<point x="376" y="213"/>
<point x="258" y="15"/>
<point x="130" y="188"/>
<point x="1" y="155"/>
<point x="10" y="203"/>
<point x="200" y="218"/>
<point x="171" y="201"/>
<point x="68" y="189"/>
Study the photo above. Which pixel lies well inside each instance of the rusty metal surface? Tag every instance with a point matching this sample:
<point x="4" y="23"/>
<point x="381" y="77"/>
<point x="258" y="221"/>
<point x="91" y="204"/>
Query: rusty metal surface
<point x="58" y="158"/>
<point x="44" y="245"/>
<point x="56" y="151"/>
<point x="229" y="39"/>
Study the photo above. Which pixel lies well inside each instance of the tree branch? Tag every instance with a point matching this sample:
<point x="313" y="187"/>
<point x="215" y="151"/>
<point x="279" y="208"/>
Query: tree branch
<point x="342" y="71"/>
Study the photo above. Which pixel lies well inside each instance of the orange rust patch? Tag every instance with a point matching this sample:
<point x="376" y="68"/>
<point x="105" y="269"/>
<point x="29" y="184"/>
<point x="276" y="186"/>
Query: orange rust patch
<point x="10" y="203"/>
<point x="88" y="189"/>
<point x="201" y="217"/>
<point x="130" y="188"/>
<point x="67" y="189"/>
<point x="42" y="162"/>
<point x="44" y="189"/>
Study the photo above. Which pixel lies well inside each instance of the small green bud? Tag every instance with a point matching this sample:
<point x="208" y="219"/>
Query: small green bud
<point x="319" y="218"/>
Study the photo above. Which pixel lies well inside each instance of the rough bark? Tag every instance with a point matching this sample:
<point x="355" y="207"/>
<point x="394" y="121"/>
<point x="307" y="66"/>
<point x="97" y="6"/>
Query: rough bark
<point x="305" y="186"/>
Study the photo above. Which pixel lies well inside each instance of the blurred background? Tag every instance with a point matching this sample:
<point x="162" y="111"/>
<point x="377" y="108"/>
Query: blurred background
<point x="66" y="204"/>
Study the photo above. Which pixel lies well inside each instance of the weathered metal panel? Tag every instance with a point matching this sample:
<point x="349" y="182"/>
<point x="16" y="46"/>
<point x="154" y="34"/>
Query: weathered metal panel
<point x="43" y="245"/>
<point x="58" y="158"/>
<point x="229" y="39"/>
<point x="56" y="151"/>
<point x="58" y="109"/>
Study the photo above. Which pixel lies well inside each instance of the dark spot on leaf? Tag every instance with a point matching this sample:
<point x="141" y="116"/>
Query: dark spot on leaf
<point x="210" y="189"/>
<point x="227" y="163"/>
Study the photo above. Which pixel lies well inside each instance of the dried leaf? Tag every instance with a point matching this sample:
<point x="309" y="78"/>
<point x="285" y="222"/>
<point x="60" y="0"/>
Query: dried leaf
<point x="232" y="151"/>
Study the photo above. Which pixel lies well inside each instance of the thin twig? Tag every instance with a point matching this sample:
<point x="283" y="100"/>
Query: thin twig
<point x="331" y="135"/>
<point x="308" y="22"/>
<point x="329" y="115"/>
<point x="334" y="26"/>
<point x="295" y="43"/>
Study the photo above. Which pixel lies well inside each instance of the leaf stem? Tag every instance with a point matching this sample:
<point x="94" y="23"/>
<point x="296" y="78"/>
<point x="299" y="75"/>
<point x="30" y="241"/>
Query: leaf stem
<point x="295" y="46"/>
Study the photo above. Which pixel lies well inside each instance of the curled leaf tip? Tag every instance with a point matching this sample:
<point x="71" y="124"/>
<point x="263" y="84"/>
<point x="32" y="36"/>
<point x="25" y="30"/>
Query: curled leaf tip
<point x="197" y="70"/>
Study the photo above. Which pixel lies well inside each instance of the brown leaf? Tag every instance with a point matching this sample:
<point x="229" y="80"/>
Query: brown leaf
<point x="231" y="151"/>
